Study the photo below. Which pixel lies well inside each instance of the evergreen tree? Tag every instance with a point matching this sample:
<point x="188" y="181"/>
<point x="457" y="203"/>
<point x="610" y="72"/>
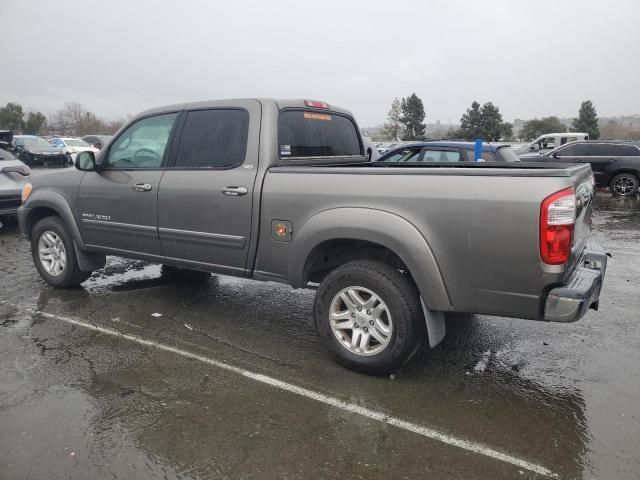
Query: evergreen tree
<point x="507" y="131"/>
<point x="490" y="122"/>
<point x="587" y="120"/>
<point x="11" y="117"/>
<point x="412" y="118"/>
<point x="35" y="122"/>
<point x="471" y="123"/>
<point x="393" y="127"/>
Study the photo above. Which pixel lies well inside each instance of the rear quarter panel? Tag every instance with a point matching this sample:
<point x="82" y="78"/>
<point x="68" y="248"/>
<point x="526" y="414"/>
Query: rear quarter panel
<point x="482" y="230"/>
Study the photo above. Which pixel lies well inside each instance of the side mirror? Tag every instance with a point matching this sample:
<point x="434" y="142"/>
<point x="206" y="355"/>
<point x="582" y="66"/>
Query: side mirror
<point x="86" y="161"/>
<point x="555" y="155"/>
<point x="369" y="153"/>
<point x="535" y="147"/>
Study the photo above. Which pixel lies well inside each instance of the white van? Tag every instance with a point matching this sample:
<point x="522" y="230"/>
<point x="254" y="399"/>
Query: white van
<point x="549" y="141"/>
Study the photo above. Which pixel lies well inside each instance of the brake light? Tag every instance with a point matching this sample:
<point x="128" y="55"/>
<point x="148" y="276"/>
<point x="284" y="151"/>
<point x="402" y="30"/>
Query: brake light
<point x="557" y="219"/>
<point x="316" y="104"/>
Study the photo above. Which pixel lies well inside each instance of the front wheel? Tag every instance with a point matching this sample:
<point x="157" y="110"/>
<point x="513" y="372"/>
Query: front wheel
<point x="368" y="314"/>
<point x="624" y="184"/>
<point x="54" y="255"/>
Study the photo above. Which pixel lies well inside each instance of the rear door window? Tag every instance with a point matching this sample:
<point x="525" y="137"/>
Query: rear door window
<point x="486" y="155"/>
<point x="577" y="150"/>
<point x="431" y="155"/>
<point x="314" y="134"/>
<point x="213" y="139"/>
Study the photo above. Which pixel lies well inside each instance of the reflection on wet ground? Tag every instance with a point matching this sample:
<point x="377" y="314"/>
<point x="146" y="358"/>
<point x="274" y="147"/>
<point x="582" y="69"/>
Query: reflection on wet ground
<point x="74" y="403"/>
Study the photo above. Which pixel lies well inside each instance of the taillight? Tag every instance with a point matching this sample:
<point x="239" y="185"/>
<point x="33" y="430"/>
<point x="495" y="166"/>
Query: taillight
<point x="316" y="104"/>
<point x="557" y="219"/>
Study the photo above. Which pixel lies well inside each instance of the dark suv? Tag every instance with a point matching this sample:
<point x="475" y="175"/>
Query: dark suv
<point x="615" y="165"/>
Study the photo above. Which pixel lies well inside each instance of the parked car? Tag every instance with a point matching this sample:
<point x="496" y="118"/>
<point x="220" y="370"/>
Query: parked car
<point x="547" y="142"/>
<point x="281" y="190"/>
<point x="36" y="151"/>
<point x="98" y="141"/>
<point x="615" y="164"/>
<point x="71" y="146"/>
<point x="13" y="177"/>
<point x="446" y="151"/>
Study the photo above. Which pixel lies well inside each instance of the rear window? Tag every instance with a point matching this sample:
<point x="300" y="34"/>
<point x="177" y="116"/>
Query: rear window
<point x="626" y="150"/>
<point x="315" y="134"/>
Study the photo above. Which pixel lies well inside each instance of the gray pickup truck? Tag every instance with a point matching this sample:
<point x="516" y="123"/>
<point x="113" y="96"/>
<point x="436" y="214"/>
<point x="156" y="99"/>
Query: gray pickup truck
<point x="283" y="190"/>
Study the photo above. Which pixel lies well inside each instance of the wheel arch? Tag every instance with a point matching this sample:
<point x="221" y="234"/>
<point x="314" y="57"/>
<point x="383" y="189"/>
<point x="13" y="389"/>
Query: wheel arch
<point x="42" y="204"/>
<point x="391" y="234"/>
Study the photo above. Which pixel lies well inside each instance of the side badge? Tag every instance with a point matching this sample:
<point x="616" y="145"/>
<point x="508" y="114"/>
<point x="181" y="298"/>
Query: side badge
<point x="281" y="230"/>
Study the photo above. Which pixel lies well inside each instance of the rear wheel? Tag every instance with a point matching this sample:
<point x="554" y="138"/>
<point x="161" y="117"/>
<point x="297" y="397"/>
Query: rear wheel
<point x="368" y="314"/>
<point x="54" y="254"/>
<point x="624" y="184"/>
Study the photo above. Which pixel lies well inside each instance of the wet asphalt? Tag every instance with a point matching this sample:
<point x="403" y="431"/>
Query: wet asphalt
<point x="77" y="403"/>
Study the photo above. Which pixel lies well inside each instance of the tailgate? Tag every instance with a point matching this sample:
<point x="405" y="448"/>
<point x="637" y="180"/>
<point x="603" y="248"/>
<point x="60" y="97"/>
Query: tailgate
<point x="583" y="183"/>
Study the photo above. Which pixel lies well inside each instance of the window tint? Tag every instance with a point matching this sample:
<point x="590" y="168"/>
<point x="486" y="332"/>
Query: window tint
<point x="312" y="134"/>
<point x="213" y="139"/>
<point x="402" y="155"/>
<point x="625" y="150"/>
<point x="575" y="150"/>
<point x="143" y="144"/>
<point x="601" y="150"/>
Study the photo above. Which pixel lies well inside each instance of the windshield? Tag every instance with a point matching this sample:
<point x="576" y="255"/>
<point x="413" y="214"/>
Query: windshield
<point x="72" y="142"/>
<point x="35" y="142"/>
<point x="507" y="154"/>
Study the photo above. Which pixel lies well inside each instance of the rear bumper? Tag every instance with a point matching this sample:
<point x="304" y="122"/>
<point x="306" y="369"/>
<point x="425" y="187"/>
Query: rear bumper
<point x="570" y="301"/>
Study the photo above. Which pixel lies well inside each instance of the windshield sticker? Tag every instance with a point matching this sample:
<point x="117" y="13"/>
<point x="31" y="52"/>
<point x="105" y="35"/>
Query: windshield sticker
<point x="317" y="116"/>
<point x="285" y="150"/>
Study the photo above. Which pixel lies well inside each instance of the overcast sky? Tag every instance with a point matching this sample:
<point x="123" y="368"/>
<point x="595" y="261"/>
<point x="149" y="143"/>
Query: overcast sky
<point x="531" y="58"/>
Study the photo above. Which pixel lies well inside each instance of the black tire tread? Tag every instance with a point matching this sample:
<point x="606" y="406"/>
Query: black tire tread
<point x="72" y="276"/>
<point x="611" y="183"/>
<point x="405" y="293"/>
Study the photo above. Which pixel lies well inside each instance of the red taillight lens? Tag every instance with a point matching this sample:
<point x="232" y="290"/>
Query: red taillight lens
<point x="316" y="104"/>
<point x="557" y="219"/>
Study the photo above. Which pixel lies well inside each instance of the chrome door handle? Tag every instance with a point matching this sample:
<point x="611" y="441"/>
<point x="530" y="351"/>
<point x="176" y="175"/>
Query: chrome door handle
<point x="141" y="187"/>
<point x="235" y="191"/>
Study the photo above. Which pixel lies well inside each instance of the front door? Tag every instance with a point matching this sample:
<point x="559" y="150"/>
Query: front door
<point x="206" y="194"/>
<point x="118" y="204"/>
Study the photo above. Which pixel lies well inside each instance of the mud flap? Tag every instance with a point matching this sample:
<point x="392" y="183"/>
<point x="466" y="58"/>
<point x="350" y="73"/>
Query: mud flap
<point x="435" y="325"/>
<point x="89" y="261"/>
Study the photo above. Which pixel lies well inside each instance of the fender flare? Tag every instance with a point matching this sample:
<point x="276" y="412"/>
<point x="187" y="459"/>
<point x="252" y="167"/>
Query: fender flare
<point x="378" y="226"/>
<point x="55" y="201"/>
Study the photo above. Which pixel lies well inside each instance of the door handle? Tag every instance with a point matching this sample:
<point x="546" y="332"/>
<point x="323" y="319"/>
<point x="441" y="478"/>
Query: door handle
<point x="235" y="191"/>
<point x="141" y="187"/>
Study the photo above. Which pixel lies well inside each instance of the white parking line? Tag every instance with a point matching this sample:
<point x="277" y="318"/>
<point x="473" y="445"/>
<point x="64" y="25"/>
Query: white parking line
<point x="320" y="397"/>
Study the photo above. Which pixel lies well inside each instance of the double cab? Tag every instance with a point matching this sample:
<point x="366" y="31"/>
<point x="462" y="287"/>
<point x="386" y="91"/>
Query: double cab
<point x="284" y="191"/>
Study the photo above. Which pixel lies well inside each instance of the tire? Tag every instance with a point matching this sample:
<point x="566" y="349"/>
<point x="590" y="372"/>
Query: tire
<point x="184" y="275"/>
<point x="398" y="310"/>
<point x="51" y="233"/>
<point x="624" y="184"/>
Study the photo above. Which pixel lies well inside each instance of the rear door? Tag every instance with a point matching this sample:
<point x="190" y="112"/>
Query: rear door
<point x="205" y="197"/>
<point x="118" y="204"/>
<point x="601" y="156"/>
